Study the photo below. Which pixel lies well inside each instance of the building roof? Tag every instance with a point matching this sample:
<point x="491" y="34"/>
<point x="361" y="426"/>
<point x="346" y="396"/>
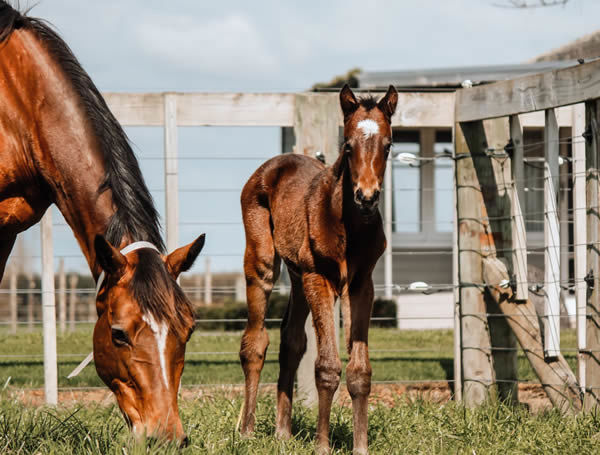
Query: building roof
<point x="586" y="47"/>
<point x="453" y="77"/>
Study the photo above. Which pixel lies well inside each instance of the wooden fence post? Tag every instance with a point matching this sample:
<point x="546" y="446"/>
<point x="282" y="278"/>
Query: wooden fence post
<point x="592" y="368"/>
<point x="556" y="376"/>
<point x="207" y="282"/>
<point x="62" y="296"/>
<point x="73" y="279"/>
<point x="30" y="302"/>
<point x="551" y="238"/>
<point x="49" y="311"/>
<point x="14" y="315"/>
<point x="171" y="175"/>
<point x="579" y="237"/>
<point x="316" y="127"/>
<point x="477" y="367"/>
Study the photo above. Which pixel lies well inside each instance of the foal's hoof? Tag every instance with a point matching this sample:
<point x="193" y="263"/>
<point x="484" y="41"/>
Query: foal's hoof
<point x="322" y="450"/>
<point x="283" y="435"/>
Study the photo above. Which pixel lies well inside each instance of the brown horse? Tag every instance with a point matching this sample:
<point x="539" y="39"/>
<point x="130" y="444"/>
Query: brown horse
<point x="59" y="143"/>
<point x="324" y="223"/>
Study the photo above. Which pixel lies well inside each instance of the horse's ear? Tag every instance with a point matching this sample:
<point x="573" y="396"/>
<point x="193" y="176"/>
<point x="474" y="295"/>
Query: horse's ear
<point x="388" y="103"/>
<point x="110" y="259"/>
<point x="348" y="101"/>
<point x="183" y="258"/>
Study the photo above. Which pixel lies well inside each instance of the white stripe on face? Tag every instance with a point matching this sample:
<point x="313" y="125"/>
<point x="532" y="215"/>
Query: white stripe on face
<point x="160" y="333"/>
<point x="369" y="128"/>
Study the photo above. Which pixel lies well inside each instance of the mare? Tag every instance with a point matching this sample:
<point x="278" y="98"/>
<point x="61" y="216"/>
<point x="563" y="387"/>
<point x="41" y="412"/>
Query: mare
<point x="324" y="223"/>
<point x="60" y="144"/>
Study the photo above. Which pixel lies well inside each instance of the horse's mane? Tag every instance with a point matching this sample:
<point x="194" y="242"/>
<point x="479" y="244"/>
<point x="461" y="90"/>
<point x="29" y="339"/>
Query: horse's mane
<point x="135" y="213"/>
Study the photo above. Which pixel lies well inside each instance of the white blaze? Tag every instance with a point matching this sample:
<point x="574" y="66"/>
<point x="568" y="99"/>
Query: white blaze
<point x="160" y="333"/>
<point x="369" y="128"/>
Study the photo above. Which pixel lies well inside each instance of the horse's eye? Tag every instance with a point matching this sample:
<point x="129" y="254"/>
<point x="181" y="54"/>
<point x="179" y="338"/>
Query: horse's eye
<point x="119" y="336"/>
<point x="387" y="149"/>
<point x="347" y="148"/>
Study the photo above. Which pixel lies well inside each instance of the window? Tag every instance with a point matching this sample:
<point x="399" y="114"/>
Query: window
<point x="406" y="184"/>
<point x="443" y="183"/>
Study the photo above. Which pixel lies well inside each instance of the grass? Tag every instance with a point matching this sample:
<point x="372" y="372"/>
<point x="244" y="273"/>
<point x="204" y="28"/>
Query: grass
<point x="431" y="358"/>
<point x="407" y="427"/>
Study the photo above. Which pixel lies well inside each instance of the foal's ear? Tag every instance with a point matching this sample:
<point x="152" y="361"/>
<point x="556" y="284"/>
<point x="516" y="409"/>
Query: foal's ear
<point x="348" y="101"/>
<point x="110" y="259"/>
<point x="183" y="258"/>
<point x="387" y="104"/>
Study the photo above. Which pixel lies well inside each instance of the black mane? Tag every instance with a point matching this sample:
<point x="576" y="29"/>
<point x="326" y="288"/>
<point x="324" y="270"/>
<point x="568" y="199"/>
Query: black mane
<point x="152" y="285"/>
<point x="368" y="102"/>
<point x="135" y="213"/>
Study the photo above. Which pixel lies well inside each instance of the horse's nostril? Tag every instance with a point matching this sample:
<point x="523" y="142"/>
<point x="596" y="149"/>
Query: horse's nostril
<point x="375" y="195"/>
<point x="360" y="195"/>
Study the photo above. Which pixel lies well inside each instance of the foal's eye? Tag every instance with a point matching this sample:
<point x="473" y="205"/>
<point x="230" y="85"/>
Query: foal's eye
<point x="347" y="148"/>
<point x="119" y="337"/>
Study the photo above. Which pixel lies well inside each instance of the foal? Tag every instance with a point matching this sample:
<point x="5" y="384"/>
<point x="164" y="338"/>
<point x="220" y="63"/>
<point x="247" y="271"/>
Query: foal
<point x="324" y="223"/>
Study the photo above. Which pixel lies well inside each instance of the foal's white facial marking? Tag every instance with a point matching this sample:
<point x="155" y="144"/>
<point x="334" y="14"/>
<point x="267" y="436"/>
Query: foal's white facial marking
<point x="160" y="333"/>
<point x="369" y="128"/>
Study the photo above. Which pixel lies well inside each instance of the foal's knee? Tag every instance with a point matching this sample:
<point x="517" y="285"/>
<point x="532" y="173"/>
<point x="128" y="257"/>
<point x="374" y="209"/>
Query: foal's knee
<point x="358" y="379"/>
<point x="328" y="373"/>
<point x="253" y="348"/>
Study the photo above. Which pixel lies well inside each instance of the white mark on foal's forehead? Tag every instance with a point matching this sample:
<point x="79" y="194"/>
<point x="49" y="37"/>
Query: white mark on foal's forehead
<point x="369" y="128"/>
<point x="160" y="333"/>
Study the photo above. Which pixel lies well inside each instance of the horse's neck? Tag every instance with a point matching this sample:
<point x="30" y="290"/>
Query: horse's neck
<point x="66" y="152"/>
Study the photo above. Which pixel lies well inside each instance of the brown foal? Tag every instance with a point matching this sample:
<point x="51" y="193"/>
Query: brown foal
<point x="324" y="223"/>
<point x="60" y="144"/>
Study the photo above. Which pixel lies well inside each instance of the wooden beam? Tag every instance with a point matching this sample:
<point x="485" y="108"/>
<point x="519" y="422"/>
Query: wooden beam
<point x="592" y="162"/>
<point x="529" y="93"/>
<point x="477" y="367"/>
<point x="265" y="109"/>
<point x="551" y="239"/>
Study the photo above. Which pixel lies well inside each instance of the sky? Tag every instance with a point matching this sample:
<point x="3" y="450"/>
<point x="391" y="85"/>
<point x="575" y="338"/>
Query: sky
<point x="277" y="46"/>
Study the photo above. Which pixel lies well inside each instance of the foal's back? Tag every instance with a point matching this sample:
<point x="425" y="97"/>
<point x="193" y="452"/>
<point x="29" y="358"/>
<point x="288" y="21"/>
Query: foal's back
<point x="273" y="202"/>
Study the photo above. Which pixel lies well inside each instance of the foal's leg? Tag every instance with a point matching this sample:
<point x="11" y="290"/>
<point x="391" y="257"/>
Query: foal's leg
<point x="328" y="368"/>
<point x="293" y="346"/>
<point x="358" y="371"/>
<point x="261" y="266"/>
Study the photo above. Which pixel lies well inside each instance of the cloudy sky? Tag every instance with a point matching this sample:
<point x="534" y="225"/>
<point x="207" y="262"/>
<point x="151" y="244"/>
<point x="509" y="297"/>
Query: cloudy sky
<point x="151" y="45"/>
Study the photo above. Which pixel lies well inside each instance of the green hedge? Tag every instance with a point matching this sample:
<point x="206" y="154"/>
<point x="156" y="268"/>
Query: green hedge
<point x="275" y="310"/>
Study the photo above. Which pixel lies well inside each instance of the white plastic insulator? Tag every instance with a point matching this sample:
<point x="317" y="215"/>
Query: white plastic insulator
<point x="418" y="286"/>
<point x="406" y="158"/>
<point x="504" y="284"/>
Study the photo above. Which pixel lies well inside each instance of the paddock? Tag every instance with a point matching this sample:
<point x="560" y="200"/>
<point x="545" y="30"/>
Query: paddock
<point x="491" y="337"/>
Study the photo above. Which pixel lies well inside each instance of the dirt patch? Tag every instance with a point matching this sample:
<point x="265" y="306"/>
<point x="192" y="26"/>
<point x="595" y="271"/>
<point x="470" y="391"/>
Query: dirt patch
<point x="532" y="395"/>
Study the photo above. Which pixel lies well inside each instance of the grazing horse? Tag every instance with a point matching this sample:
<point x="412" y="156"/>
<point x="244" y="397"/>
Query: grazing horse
<point x="60" y="144"/>
<point x="324" y="223"/>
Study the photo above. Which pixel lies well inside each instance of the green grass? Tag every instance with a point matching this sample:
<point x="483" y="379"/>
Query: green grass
<point x="430" y="360"/>
<point x="417" y="427"/>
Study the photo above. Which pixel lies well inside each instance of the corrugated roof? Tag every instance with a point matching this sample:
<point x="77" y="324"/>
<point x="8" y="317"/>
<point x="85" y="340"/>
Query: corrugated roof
<point x="454" y="76"/>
